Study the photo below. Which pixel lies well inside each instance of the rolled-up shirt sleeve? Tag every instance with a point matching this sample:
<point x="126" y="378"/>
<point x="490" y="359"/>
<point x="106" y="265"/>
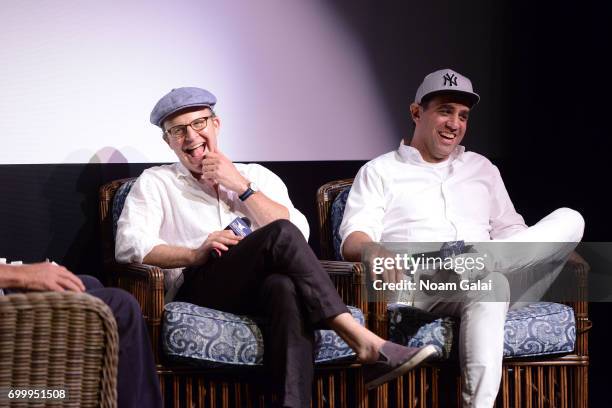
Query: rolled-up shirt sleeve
<point x="139" y="224"/>
<point x="504" y="219"/>
<point x="273" y="187"/>
<point x="365" y="206"/>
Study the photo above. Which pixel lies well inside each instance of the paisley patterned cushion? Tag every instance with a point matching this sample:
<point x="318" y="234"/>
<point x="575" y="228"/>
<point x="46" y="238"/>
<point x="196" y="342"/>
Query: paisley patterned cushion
<point x="537" y="329"/>
<point x="209" y="337"/>
<point x="337" y="212"/>
<point x="329" y="347"/>
<point x="415" y="328"/>
<point x="119" y="201"/>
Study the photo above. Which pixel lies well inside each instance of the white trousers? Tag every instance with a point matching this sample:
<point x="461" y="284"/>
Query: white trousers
<point x="483" y="313"/>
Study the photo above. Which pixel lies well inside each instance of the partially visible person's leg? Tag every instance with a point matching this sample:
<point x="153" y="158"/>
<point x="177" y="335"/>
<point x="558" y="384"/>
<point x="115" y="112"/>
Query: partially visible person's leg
<point x="533" y="258"/>
<point x="90" y="282"/>
<point x="137" y="382"/>
<point x="289" y="341"/>
<point x="272" y="272"/>
<point x="481" y="343"/>
<point x="550" y="240"/>
<point x="232" y="283"/>
<point x="481" y="336"/>
<point x="561" y="225"/>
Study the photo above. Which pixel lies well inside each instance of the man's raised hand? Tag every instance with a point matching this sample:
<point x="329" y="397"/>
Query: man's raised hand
<point x="217" y="169"/>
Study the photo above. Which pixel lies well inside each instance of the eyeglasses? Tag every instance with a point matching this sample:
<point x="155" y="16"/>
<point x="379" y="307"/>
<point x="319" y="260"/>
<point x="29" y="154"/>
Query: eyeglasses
<point x="179" y="132"/>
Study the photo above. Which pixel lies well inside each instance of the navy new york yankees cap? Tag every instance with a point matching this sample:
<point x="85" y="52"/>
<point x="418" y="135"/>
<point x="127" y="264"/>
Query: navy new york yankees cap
<point x="446" y="81"/>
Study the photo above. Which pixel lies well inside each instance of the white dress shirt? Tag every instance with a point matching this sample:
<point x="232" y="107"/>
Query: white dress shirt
<point x="399" y="197"/>
<point x="168" y="206"/>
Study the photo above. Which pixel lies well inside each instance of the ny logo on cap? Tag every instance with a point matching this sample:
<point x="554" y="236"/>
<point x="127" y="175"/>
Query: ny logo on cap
<point x="451" y="79"/>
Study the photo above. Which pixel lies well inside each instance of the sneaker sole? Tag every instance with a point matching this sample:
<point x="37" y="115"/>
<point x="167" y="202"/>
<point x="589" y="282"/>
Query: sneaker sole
<point x="417" y="359"/>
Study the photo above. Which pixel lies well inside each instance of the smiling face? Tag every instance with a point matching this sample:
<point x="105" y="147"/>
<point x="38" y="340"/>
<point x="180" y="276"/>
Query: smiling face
<point x="439" y="126"/>
<point x="191" y="148"/>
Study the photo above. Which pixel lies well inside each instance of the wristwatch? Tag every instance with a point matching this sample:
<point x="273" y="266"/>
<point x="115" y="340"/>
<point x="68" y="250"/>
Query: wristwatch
<point x="252" y="188"/>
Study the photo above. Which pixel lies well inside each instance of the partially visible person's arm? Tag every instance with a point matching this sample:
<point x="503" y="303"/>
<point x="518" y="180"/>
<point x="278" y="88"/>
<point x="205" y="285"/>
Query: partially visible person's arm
<point x="264" y="209"/>
<point x="354" y="245"/>
<point x="269" y="204"/>
<point x="167" y="256"/>
<point x="39" y="276"/>
<point x="218" y="169"/>
<point x="139" y="224"/>
<point x="138" y="240"/>
<point x="362" y="221"/>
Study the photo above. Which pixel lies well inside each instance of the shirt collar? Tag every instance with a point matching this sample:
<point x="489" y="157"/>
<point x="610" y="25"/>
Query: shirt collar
<point x="182" y="171"/>
<point x="410" y="154"/>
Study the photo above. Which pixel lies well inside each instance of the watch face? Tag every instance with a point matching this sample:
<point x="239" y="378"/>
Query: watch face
<point x="253" y="186"/>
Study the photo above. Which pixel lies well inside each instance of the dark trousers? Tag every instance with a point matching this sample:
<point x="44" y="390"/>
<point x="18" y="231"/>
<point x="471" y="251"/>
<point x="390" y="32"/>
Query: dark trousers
<point x="137" y="382"/>
<point x="272" y="273"/>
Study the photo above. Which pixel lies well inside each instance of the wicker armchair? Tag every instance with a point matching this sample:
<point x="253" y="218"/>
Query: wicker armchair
<point x="335" y="385"/>
<point x="58" y="341"/>
<point x="548" y="381"/>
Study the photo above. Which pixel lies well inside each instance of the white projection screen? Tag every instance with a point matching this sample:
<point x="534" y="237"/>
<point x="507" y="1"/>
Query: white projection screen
<point x="79" y="79"/>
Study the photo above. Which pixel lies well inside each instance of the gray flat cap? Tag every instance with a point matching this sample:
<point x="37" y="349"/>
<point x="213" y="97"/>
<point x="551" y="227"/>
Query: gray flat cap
<point x="178" y="99"/>
<point x="446" y="81"/>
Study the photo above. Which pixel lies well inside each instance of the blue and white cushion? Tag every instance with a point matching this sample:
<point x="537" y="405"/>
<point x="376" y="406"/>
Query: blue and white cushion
<point x="538" y="329"/>
<point x="210" y="338"/>
<point x="337" y="212"/>
<point x="119" y="200"/>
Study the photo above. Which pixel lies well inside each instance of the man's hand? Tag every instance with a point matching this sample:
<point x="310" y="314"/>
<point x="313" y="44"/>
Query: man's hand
<point x="48" y="276"/>
<point x="217" y="241"/>
<point x="388" y="275"/>
<point x="356" y="244"/>
<point x="218" y="169"/>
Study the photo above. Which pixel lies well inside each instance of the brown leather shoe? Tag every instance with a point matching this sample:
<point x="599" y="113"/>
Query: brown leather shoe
<point x="393" y="361"/>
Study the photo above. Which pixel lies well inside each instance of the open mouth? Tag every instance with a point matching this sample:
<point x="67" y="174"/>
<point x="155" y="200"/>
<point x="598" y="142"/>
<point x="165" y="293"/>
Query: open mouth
<point x="195" y="151"/>
<point x="447" y="137"/>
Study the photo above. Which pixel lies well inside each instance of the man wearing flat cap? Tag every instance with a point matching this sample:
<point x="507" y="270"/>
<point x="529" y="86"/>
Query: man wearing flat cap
<point x="430" y="190"/>
<point x="175" y="217"/>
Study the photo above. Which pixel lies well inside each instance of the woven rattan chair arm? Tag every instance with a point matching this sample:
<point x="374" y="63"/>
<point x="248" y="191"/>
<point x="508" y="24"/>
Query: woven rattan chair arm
<point x="146" y="284"/>
<point x="348" y="277"/>
<point x="580" y="265"/>
<point x="55" y="334"/>
<point x="354" y="269"/>
<point x="139" y="271"/>
<point x="578" y="286"/>
<point x="579" y="303"/>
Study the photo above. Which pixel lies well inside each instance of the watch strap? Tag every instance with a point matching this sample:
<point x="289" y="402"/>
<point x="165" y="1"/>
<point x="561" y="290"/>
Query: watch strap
<point x="249" y="191"/>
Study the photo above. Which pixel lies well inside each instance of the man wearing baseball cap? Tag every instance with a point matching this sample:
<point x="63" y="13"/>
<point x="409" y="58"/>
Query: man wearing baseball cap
<point x="431" y="190"/>
<point x="175" y="217"/>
